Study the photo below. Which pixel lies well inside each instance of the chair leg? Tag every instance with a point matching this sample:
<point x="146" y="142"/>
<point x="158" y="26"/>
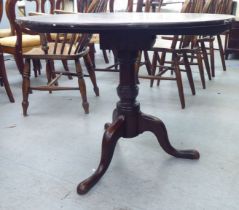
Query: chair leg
<point x="105" y="56"/>
<point x="116" y="62"/>
<point x="91" y="71"/>
<point x="154" y="66"/>
<point x="179" y="81"/>
<point x="19" y="62"/>
<point x="39" y="65"/>
<point x="26" y="86"/>
<point x="161" y="63"/>
<point x="48" y="73"/>
<point x="147" y="62"/>
<point x="3" y="75"/>
<point x="92" y="53"/>
<point x="201" y="70"/>
<point x="53" y="71"/>
<point x="225" y="46"/>
<point x="172" y="59"/>
<point x="36" y="67"/>
<point x="65" y="65"/>
<point x="82" y="86"/>
<point x="219" y="40"/>
<point x="205" y="59"/>
<point x="212" y="60"/>
<point x="137" y="65"/>
<point x="189" y="73"/>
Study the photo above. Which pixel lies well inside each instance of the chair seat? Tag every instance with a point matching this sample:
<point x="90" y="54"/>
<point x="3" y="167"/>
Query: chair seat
<point x="28" y="41"/>
<point x="165" y="45"/>
<point x="162" y="44"/>
<point x="5" y="32"/>
<point x="54" y="36"/>
<point x="58" y="55"/>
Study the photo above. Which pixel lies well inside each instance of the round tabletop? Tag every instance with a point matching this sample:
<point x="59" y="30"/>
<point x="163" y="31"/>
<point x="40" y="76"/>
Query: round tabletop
<point x="155" y="23"/>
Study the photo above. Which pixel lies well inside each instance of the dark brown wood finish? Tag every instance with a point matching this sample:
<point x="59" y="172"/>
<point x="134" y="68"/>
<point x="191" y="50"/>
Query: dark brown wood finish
<point x="64" y="47"/>
<point x="216" y="7"/>
<point x="179" y="47"/>
<point x="16" y="48"/>
<point x="127" y="34"/>
<point x="150" y="23"/>
<point x="3" y="74"/>
<point x="3" y="78"/>
<point x="233" y="40"/>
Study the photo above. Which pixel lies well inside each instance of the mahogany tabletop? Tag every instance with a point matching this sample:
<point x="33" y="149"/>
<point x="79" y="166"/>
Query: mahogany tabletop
<point x="155" y="23"/>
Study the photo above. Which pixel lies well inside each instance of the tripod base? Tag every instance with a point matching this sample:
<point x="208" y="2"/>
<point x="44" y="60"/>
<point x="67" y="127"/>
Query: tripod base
<point x="116" y="130"/>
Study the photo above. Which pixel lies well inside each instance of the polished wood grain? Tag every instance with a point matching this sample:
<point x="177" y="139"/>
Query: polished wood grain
<point x="127" y="34"/>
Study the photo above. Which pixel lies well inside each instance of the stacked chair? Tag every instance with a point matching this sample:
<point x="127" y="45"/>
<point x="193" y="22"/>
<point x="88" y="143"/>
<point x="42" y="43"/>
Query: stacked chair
<point x="65" y="47"/>
<point x="216" y="7"/>
<point x="184" y="50"/>
<point x="188" y="50"/>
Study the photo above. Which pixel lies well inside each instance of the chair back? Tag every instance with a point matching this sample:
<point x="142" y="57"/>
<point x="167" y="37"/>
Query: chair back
<point x="11" y="6"/>
<point x="224" y="7"/>
<point x="193" y="6"/>
<point x="82" y="5"/>
<point x="197" y="6"/>
<point x="142" y="5"/>
<point x="210" y="6"/>
<point x="228" y="7"/>
<point x="187" y="6"/>
<point x="47" y="3"/>
<point x="60" y="5"/>
<point x="72" y="43"/>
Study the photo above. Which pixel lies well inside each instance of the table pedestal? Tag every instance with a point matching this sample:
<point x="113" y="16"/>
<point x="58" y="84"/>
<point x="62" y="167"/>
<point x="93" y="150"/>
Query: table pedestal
<point x="128" y="120"/>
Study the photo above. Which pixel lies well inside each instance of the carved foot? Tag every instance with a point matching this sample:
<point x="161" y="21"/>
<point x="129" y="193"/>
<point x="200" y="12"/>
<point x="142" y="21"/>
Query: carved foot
<point x="86" y="107"/>
<point x="156" y="126"/>
<point x="110" y="138"/>
<point x="25" y="105"/>
<point x="97" y="91"/>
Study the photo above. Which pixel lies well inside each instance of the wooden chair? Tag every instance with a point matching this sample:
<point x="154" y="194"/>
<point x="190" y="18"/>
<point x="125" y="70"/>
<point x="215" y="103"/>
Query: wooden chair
<point x="29" y="40"/>
<point x="216" y="7"/>
<point x="82" y="6"/>
<point x="3" y="74"/>
<point x="181" y="48"/>
<point x="224" y="7"/>
<point x="62" y="49"/>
